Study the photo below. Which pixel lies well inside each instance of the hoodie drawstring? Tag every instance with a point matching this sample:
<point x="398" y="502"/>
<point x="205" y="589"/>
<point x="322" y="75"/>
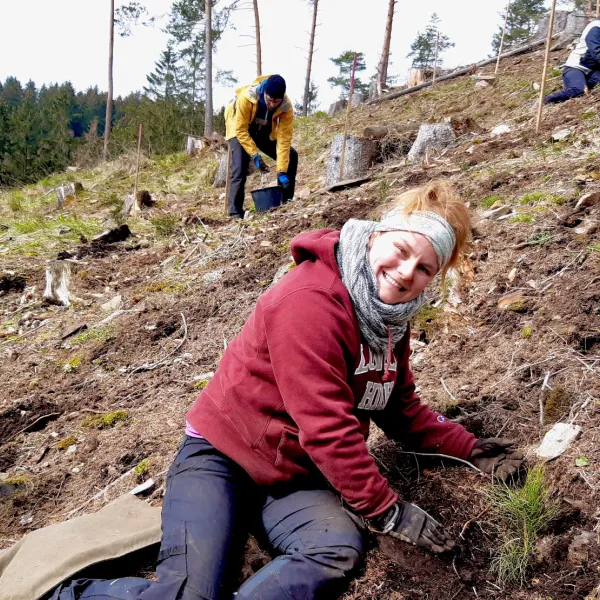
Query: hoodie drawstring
<point x="387" y="376"/>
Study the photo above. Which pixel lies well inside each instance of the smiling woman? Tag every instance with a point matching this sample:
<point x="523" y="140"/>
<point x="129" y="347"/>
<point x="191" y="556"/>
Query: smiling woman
<point x="278" y="436"/>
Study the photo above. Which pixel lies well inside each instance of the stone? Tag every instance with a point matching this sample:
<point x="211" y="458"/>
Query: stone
<point x="73" y="329"/>
<point x="71" y="449"/>
<point x="536" y="86"/>
<point x="561" y="134"/>
<point x="337" y="106"/>
<point x="283" y="269"/>
<point x="431" y="138"/>
<point x="143" y="487"/>
<point x="557" y="440"/>
<point x="579" y="549"/>
<point x="7" y="490"/>
<point x="513" y="274"/>
<point x="588" y="199"/>
<point x="509" y="300"/>
<point x="500" y="130"/>
<point x="26" y="520"/>
<point x="482" y="84"/>
<point x="495" y="213"/>
<point x="212" y="276"/>
<point x="303" y="194"/>
<point x="113" y="304"/>
<point x="587" y="227"/>
<point x="266" y="244"/>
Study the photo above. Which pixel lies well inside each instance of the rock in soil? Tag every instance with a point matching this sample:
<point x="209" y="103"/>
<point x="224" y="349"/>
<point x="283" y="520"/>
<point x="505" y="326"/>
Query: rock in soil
<point x="580" y="547"/>
<point x="557" y="440"/>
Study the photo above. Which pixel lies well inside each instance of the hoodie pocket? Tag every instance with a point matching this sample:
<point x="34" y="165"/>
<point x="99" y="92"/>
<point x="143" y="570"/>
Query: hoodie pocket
<point x="290" y="452"/>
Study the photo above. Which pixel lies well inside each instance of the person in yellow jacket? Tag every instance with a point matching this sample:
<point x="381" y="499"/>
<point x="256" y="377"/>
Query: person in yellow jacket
<point x="260" y="118"/>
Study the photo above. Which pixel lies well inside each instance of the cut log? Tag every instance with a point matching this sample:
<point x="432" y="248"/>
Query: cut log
<point x="343" y="185"/>
<point x="68" y="190"/>
<point x="220" y="179"/>
<point x="58" y="275"/>
<point x="431" y="138"/>
<point x="360" y="155"/>
<point x="144" y="199"/>
<point x="193" y="145"/>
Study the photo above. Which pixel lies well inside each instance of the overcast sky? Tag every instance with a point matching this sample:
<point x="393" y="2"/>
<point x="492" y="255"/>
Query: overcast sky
<point x="60" y="40"/>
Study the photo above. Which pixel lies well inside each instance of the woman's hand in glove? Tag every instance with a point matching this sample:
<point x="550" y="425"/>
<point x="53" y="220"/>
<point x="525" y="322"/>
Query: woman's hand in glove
<point x="412" y="524"/>
<point x="497" y="456"/>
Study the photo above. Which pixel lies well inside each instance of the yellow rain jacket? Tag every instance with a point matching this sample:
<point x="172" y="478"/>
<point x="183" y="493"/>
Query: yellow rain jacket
<point x="242" y="112"/>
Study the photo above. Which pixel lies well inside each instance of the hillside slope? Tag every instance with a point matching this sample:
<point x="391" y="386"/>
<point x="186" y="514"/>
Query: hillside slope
<point x="159" y="307"/>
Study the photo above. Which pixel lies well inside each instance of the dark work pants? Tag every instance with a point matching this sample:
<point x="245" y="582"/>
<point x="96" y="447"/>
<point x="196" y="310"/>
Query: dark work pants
<point x="240" y="160"/>
<point x="210" y="503"/>
<point x="574" y="81"/>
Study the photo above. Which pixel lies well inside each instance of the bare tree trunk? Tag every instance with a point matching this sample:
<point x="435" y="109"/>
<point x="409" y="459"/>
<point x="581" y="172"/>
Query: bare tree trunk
<point x="385" y="53"/>
<point x="109" y="98"/>
<point x="590" y="9"/>
<point x="208" y="109"/>
<point x="311" y="50"/>
<point x="258" y="46"/>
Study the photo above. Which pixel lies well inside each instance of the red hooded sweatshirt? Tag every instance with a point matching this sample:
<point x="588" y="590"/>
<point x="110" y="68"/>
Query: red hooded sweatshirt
<point x="296" y="389"/>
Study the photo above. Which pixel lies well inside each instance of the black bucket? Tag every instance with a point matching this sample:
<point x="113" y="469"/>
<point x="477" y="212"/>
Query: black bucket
<point x="267" y="198"/>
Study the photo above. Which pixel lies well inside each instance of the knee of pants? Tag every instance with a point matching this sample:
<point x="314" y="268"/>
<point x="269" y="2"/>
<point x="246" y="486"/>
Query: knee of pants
<point x="574" y="92"/>
<point x="341" y="560"/>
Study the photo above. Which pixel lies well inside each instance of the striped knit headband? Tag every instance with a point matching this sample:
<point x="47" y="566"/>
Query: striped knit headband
<point x="429" y="224"/>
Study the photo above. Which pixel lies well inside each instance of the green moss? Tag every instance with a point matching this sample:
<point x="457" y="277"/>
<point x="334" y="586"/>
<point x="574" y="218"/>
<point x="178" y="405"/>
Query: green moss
<point x="66" y="442"/>
<point x="589" y="114"/>
<point x="201" y="384"/>
<point x="594" y="247"/>
<point x="72" y="364"/>
<point x="526" y="332"/>
<point x="425" y="317"/>
<point x="520" y="306"/>
<point x="531" y="198"/>
<point x="106" y="420"/>
<point x="489" y="201"/>
<point x="166" y="287"/>
<point x="98" y="334"/>
<point x="142" y="468"/>
<point x="16" y="480"/>
<point x="556" y="73"/>
<point x="165" y="225"/>
<point x="522" y="218"/>
<point x="558" y="401"/>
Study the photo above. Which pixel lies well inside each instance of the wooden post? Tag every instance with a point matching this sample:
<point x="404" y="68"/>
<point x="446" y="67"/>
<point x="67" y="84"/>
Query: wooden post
<point x="545" y="70"/>
<point x="137" y="171"/>
<point x="109" y="96"/>
<point x="597" y="8"/>
<point x="258" y="46"/>
<point x="437" y="49"/>
<point x="227" y="182"/>
<point x="502" y="38"/>
<point x="350" y="94"/>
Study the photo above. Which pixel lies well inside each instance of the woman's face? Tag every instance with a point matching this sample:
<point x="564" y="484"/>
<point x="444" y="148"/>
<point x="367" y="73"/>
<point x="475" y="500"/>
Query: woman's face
<point x="403" y="262"/>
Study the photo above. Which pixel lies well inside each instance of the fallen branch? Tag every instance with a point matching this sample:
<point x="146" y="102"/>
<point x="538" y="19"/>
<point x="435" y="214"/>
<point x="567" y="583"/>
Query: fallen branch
<point x="453" y="75"/>
<point x="56" y="414"/>
<point x="152" y="366"/>
<point x="447" y="390"/>
<point x="466" y="525"/>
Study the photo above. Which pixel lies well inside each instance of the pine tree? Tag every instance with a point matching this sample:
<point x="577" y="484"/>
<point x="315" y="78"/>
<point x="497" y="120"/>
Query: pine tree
<point x="423" y="49"/>
<point x="312" y="102"/>
<point x="162" y="82"/>
<point x="344" y="63"/>
<point x="522" y="21"/>
<point x="12" y="93"/>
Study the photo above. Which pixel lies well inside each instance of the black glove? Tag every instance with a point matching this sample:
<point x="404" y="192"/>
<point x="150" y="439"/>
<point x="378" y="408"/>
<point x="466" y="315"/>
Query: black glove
<point x="412" y="524"/>
<point x="497" y="456"/>
<point x="259" y="163"/>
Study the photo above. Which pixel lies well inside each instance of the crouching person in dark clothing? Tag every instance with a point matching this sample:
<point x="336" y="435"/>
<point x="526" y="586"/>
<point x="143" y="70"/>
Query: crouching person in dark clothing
<point x="277" y="440"/>
<point x="582" y="68"/>
<point x="260" y="118"/>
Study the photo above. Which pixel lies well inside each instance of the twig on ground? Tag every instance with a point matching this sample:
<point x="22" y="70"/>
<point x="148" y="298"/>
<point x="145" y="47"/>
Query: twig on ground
<point x="544" y="386"/>
<point x="475" y="518"/>
<point x="447" y="390"/>
<point x="55" y="414"/>
<point x="152" y="366"/>
<point x="563" y="269"/>
<point x="465" y="462"/>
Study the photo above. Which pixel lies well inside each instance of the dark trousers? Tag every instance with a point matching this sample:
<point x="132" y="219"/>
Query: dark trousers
<point x="209" y="506"/>
<point x="575" y="82"/>
<point x="240" y="160"/>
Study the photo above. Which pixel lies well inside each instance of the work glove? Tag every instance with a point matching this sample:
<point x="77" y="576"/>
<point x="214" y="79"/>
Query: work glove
<point x="497" y="456"/>
<point x="259" y="163"/>
<point x="283" y="180"/>
<point x="412" y="524"/>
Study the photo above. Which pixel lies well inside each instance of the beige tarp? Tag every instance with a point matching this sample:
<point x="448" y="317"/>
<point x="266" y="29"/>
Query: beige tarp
<point x="46" y="557"/>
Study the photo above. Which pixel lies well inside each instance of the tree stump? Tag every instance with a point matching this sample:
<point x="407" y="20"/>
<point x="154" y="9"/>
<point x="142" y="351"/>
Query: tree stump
<point x="358" y="98"/>
<point x="68" y="190"/>
<point x="220" y="179"/>
<point x="574" y="26"/>
<point x="431" y="138"/>
<point x="360" y="155"/>
<point x="193" y="144"/>
<point x="337" y="106"/>
<point x="58" y="275"/>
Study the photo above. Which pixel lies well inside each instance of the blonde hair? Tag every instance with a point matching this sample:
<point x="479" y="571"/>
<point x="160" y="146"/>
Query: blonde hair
<point x="441" y="198"/>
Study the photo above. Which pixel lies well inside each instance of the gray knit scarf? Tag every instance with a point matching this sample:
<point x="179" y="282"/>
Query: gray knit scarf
<point x="374" y="316"/>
